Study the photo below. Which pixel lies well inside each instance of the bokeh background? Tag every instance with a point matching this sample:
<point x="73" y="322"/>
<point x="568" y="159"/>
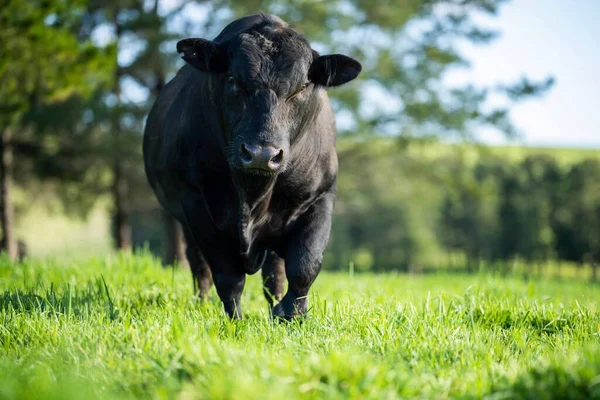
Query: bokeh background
<point x="469" y="142"/>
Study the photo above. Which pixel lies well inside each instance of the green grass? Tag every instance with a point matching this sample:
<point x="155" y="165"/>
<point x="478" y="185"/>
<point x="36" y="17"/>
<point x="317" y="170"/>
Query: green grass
<point x="124" y="327"/>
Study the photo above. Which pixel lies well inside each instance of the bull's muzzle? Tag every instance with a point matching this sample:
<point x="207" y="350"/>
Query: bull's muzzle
<point x="265" y="158"/>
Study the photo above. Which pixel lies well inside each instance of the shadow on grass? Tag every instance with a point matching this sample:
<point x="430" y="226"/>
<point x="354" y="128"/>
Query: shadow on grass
<point x="67" y="301"/>
<point x="534" y="322"/>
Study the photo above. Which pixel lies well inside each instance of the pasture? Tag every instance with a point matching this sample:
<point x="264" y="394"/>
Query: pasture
<point x="124" y="327"/>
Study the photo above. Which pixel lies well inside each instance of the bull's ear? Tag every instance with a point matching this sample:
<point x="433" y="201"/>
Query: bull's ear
<point x="203" y="54"/>
<point x="334" y="69"/>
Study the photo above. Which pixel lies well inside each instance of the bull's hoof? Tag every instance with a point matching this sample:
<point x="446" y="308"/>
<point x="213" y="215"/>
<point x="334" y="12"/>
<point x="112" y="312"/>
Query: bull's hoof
<point x="233" y="311"/>
<point x="290" y="309"/>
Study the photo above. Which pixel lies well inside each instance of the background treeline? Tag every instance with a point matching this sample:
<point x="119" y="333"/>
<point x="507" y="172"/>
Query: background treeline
<point x="463" y="207"/>
<point x="77" y="79"/>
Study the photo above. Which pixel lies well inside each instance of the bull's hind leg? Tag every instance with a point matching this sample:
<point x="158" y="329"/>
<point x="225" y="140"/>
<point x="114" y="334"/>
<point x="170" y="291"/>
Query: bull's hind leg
<point x="273" y="273"/>
<point x="201" y="273"/>
<point x="200" y="269"/>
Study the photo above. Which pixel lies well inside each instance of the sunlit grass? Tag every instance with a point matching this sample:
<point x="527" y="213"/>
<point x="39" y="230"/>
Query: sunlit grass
<point x="55" y="235"/>
<point x="125" y="327"/>
<point x="472" y="152"/>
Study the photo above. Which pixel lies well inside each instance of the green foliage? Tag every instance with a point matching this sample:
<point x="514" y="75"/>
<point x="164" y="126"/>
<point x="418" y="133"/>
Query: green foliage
<point x="528" y="213"/>
<point x="42" y="60"/>
<point x="47" y="76"/>
<point x="577" y="219"/>
<point x="380" y="209"/>
<point x="410" y="206"/>
<point x="124" y="327"/>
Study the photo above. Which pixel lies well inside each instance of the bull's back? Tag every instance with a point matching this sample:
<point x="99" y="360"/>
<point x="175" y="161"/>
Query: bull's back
<point x="154" y="135"/>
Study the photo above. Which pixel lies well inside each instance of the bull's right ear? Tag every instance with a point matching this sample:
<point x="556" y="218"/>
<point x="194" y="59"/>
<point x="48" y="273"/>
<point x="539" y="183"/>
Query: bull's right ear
<point x="203" y="54"/>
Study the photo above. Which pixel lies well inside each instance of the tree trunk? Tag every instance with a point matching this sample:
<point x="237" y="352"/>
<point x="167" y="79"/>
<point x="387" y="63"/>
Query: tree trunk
<point x="122" y="211"/>
<point x="120" y="185"/>
<point x="6" y="206"/>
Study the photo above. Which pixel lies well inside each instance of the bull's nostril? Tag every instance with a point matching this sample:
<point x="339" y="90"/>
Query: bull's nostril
<point x="278" y="157"/>
<point x="245" y="154"/>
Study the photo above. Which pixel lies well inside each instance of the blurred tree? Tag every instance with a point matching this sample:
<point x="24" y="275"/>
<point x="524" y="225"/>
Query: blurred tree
<point x="542" y="179"/>
<point x="578" y="220"/>
<point x="528" y="202"/>
<point x="500" y="210"/>
<point x="120" y="118"/>
<point x="487" y="209"/>
<point x="382" y="215"/>
<point x="468" y="214"/>
<point x="43" y="65"/>
<point x="509" y="213"/>
<point x="137" y="30"/>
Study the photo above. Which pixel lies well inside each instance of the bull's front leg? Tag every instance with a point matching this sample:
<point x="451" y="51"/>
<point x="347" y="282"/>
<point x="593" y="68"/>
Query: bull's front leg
<point x="230" y="285"/>
<point x="228" y="276"/>
<point x="304" y="254"/>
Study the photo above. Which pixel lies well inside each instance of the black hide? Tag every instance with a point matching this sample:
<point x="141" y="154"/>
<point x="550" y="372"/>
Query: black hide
<point x="240" y="149"/>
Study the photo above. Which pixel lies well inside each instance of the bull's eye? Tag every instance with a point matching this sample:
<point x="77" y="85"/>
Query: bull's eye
<point x="302" y="89"/>
<point x="232" y="82"/>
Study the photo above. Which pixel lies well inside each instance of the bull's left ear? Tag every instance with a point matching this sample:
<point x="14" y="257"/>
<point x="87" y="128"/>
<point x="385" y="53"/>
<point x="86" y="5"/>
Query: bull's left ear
<point x="334" y="69"/>
<point x="203" y="54"/>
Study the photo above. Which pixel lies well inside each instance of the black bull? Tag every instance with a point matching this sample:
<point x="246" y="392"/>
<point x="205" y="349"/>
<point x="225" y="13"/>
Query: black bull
<point x="240" y="149"/>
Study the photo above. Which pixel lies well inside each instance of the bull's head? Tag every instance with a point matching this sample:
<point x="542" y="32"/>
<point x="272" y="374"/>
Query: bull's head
<point x="270" y="79"/>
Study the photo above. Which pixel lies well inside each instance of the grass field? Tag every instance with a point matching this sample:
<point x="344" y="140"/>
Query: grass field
<point x="124" y="327"/>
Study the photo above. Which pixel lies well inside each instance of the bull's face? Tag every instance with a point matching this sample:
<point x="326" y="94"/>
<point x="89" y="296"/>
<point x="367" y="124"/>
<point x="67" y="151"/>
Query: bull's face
<point x="270" y="79"/>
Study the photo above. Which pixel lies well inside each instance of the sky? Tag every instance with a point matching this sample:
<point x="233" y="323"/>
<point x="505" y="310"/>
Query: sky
<point x="541" y="38"/>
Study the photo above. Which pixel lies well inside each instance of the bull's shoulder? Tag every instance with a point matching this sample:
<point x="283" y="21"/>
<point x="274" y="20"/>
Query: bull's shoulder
<point x="325" y="131"/>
